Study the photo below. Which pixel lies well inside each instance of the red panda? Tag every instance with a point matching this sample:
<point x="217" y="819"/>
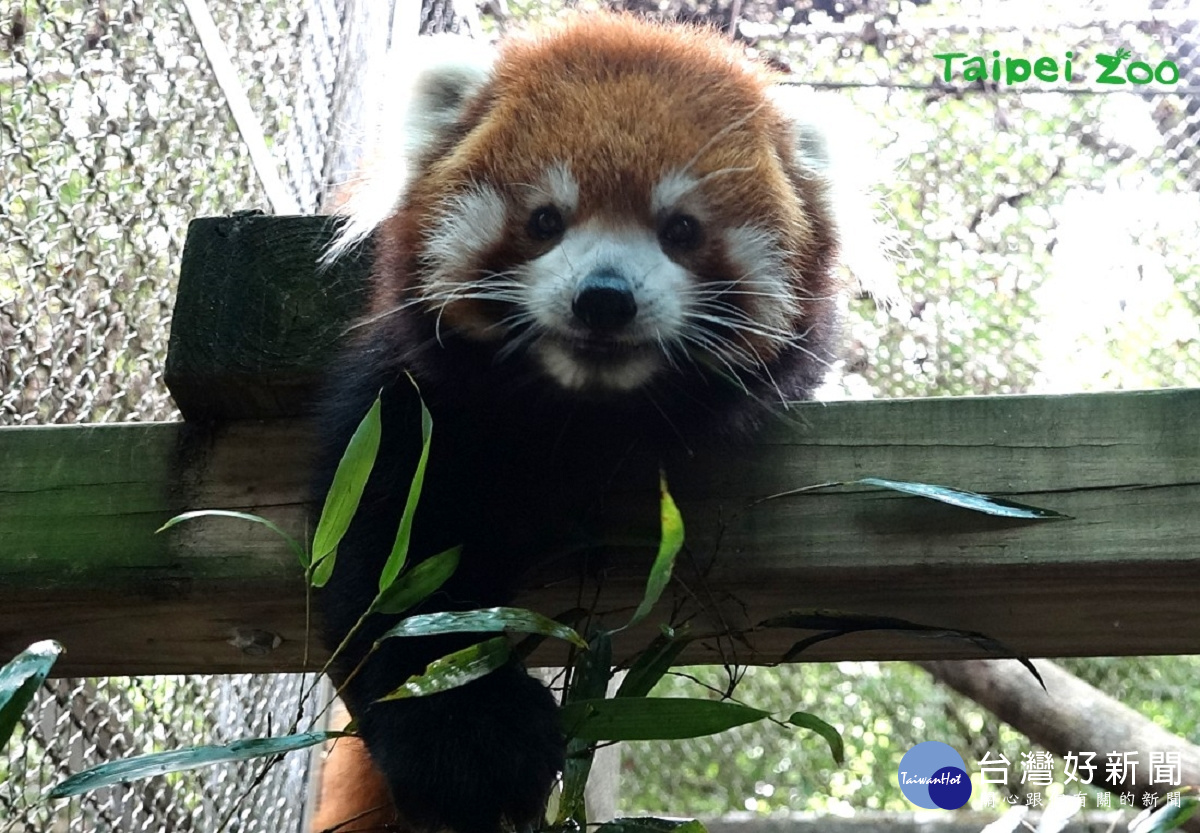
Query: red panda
<point x="616" y="235"/>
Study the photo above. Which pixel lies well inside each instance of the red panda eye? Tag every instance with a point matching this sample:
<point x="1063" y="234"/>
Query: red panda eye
<point x="680" y="231"/>
<point x="545" y="223"/>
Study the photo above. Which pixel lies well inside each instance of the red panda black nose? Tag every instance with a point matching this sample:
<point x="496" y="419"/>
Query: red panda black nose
<point x="605" y="301"/>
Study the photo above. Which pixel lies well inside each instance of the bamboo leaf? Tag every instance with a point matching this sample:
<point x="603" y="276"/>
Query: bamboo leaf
<point x="180" y="760"/>
<point x="653" y="718"/>
<point x="804" y="720"/>
<point x="399" y="553"/>
<point x="525" y="648"/>
<point x="669" y="545"/>
<point x="454" y="670"/>
<point x="487" y="620"/>
<point x="833" y="624"/>
<point x="19" y="681"/>
<point x="652" y="664"/>
<point x="652" y="825"/>
<point x="323" y="569"/>
<point x="292" y="543"/>
<point x="987" y="504"/>
<point x="1170" y="817"/>
<point x="349" y="481"/>
<point x="418" y="583"/>
<point x="590" y="676"/>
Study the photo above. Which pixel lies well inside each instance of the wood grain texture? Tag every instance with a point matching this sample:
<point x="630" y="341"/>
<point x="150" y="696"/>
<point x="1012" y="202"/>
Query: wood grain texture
<point x="79" y="560"/>
<point x="257" y="318"/>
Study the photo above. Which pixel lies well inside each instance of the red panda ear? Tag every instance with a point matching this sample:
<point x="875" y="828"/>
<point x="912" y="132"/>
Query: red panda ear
<point x="829" y="139"/>
<point x="443" y="75"/>
<point x="810" y="125"/>
<point x="427" y="90"/>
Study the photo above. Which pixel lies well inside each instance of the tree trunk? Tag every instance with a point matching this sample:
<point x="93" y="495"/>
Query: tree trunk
<point x="1070" y="716"/>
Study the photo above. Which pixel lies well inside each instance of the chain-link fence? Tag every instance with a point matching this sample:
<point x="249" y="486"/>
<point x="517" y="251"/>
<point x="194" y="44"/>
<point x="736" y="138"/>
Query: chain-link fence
<point x="115" y="131"/>
<point x="1045" y="238"/>
<point x="76" y="723"/>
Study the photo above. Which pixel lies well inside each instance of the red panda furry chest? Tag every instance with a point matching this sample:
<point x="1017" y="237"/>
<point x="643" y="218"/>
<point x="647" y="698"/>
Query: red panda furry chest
<point x="611" y="243"/>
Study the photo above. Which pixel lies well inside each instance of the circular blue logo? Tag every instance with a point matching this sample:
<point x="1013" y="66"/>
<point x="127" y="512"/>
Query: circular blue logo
<point x="932" y="775"/>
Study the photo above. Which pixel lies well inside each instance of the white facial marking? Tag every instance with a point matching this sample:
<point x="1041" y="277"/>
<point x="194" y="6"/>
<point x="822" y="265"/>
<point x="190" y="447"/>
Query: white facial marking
<point x="566" y="368"/>
<point x="762" y="275"/>
<point x="468" y="224"/>
<point x="558" y="188"/>
<point x="671" y="190"/>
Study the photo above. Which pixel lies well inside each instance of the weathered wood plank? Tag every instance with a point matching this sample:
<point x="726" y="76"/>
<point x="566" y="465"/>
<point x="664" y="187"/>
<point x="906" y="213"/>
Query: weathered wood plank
<point x="256" y="318"/>
<point x="79" y="561"/>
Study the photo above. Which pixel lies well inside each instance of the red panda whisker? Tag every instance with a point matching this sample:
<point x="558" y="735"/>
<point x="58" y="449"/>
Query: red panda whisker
<point x="668" y="354"/>
<point x="708" y="292"/>
<point x="812" y="355"/>
<point x="669" y="422"/>
<point x="506" y="296"/>
<point x="752" y="360"/>
<point x="731" y="170"/>
<point x="379" y="316"/>
<point x="517" y="321"/>
<point x="747" y="357"/>
<point x="725" y="351"/>
<point x="792" y="294"/>
<point x="523" y="339"/>
<point x="742" y="324"/>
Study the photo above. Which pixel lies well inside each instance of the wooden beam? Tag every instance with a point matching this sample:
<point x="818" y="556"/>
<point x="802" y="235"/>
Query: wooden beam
<point x="256" y="318"/>
<point x="254" y="324"/>
<point x="79" y="560"/>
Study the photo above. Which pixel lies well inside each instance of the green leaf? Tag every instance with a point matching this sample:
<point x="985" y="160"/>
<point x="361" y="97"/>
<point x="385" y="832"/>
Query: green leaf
<point x="349" y="481"/>
<point x="487" y="620"/>
<point x="804" y="720"/>
<point x="525" y="648"/>
<point x="590" y="676"/>
<point x="1165" y="818"/>
<point x="323" y="569"/>
<point x="652" y="663"/>
<point x="19" y="681"/>
<point x="669" y="545"/>
<point x="593" y="670"/>
<point x="179" y="760"/>
<point x="835" y="623"/>
<point x="986" y="504"/>
<point x="454" y="670"/>
<point x="399" y="553"/>
<point x="653" y="718"/>
<point x="418" y="583"/>
<point x="652" y="825"/>
<point x="292" y="543"/>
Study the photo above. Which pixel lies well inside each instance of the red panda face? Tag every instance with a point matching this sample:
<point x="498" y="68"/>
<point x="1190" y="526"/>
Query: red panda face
<point x="613" y="202"/>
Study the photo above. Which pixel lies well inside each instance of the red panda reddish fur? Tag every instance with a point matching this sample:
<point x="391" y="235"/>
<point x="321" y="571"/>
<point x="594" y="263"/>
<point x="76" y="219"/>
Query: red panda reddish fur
<point x="681" y="96"/>
<point x="352" y="797"/>
<point x="615" y="238"/>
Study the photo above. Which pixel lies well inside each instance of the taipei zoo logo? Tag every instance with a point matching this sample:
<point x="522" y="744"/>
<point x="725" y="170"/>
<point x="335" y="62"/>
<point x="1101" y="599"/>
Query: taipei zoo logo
<point x="932" y="775"/>
<point x="1115" y="69"/>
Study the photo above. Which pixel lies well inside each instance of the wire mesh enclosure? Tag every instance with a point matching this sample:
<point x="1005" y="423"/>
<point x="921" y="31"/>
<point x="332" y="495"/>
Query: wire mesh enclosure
<point x="77" y="723"/>
<point x="115" y="132"/>
<point x="1043" y="233"/>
